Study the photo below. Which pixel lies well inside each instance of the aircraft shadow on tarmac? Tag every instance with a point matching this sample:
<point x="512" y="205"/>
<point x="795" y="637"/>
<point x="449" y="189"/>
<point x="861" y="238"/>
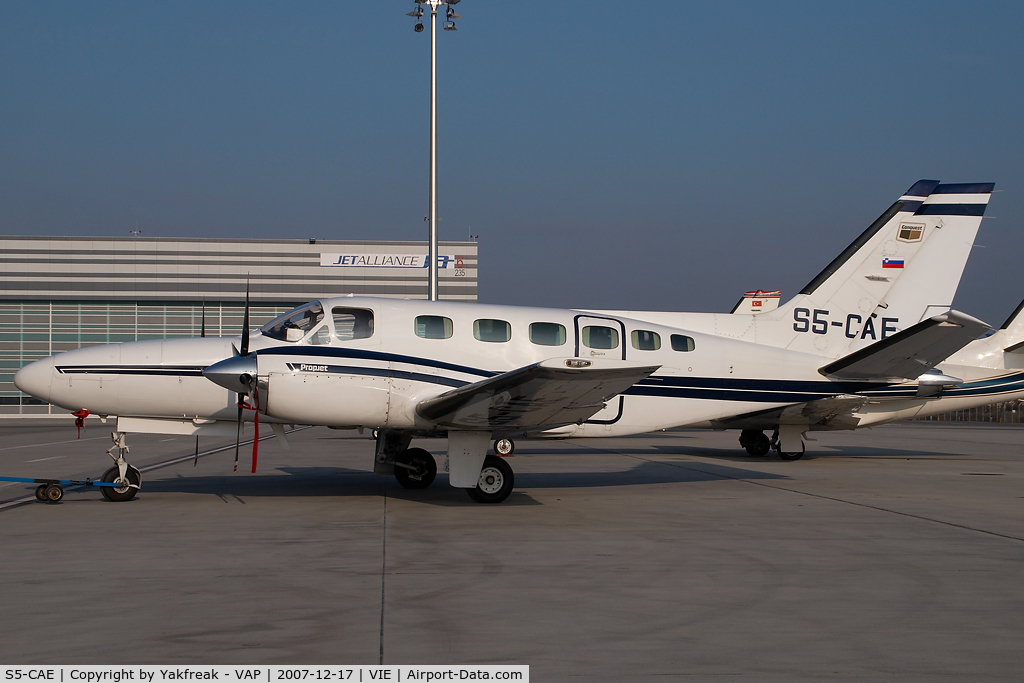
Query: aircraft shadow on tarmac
<point x="335" y="482"/>
<point x="738" y="455"/>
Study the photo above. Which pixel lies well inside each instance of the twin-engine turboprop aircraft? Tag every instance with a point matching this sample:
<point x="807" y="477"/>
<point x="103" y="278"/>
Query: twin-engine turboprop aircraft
<point x="477" y="373"/>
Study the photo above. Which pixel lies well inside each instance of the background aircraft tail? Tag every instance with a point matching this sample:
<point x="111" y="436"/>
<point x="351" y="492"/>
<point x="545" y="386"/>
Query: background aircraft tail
<point x="1013" y="328"/>
<point x="904" y="268"/>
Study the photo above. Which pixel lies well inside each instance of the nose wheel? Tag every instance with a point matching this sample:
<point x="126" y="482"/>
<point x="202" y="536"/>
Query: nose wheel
<point x="127" y="485"/>
<point x="127" y="478"/>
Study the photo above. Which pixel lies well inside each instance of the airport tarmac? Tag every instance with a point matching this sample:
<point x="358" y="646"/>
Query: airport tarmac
<point x="895" y="552"/>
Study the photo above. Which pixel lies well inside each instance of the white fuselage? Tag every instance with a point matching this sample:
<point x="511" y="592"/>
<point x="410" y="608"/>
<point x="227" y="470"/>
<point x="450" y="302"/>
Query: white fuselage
<point x="376" y="382"/>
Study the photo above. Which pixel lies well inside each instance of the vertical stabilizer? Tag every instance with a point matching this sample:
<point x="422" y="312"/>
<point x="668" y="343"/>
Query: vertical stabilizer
<point x="928" y="283"/>
<point x="923" y="239"/>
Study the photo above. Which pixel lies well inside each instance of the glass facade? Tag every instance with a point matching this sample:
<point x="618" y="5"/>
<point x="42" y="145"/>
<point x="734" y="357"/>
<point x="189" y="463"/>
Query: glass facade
<point x="30" y="330"/>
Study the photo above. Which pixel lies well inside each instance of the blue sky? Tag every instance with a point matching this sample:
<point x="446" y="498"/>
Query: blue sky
<point x="621" y="155"/>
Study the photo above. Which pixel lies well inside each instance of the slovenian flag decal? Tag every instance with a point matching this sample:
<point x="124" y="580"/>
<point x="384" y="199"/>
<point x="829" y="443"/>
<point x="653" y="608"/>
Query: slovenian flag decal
<point x="892" y="263"/>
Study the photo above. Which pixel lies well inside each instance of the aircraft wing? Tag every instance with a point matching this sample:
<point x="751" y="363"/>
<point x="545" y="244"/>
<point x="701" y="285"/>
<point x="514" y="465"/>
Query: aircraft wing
<point x="551" y="393"/>
<point x="835" y="411"/>
<point x="910" y="353"/>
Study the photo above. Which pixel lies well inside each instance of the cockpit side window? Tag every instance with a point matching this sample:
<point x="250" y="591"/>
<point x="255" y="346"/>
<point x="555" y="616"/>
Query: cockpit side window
<point x="293" y="325"/>
<point x="352" y="323"/>
<point x="321" y="336"/>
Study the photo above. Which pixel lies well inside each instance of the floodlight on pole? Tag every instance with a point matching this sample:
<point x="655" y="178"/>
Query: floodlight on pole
<point x="449" y="25"/>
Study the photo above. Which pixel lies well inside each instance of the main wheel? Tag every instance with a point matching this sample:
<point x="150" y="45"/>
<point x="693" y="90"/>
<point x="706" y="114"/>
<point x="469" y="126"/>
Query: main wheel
<point x="793" y="456"/>
<point x="415" y="468"/>
<point x="54" y="493"/>
<point x="123" y="491"/>
<point x="504" y="446"/>
<point x="41" y="493"/>
<point x="755" y="443"/>
<point x="495" y="483"/>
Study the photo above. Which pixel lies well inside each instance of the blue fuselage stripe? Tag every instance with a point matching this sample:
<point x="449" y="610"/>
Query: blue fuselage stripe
<point x="362" y="354"/>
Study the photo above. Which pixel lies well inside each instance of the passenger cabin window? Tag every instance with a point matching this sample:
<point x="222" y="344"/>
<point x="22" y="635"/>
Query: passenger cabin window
<point x="680" y="342"/>
<point x="492" y="330"/>
<point x="547" y="334"/>
<point x="598" y="337"/>
<point x="352" y="323"/>
<point x="645" y="340"/>
<point x="433" y="327"/>
<point x="293" y="325"/>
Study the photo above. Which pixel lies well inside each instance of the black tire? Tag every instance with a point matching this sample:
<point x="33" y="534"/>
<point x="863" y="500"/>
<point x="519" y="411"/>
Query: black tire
<point x="496" y="481"/>
<point x="119" y="494"/>
<point x="41" y="493"/>
<point x="757" y="444"/>
<point x="793" y="456"/>
<point x="54" y="493"/>
<point x="504" y="446"/>
<point x="423" y="472"/>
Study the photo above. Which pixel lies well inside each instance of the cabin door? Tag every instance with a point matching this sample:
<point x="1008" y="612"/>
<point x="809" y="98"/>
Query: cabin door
<point x="597" y="337"/>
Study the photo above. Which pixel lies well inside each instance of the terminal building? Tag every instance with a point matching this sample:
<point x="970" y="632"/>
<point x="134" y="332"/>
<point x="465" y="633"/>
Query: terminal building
<point x="60" y="293"/>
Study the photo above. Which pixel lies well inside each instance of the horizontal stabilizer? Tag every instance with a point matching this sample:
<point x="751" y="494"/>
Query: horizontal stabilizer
<point x="551" y="393"/>
<point x="910" y="353"/>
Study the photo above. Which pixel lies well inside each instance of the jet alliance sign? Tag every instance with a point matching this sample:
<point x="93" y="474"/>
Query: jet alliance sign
<point x="384" y="261"/>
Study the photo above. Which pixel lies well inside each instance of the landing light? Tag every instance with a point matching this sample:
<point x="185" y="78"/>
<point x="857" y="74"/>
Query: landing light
<point x="577" y="363"/>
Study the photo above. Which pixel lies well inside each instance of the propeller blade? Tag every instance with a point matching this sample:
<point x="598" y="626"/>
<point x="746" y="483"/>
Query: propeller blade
<point x="202" y="330"/>
<point x="238" y="434"/>
<point x="256" y="423"/>
<point x="245" y="323"/>
<point x="196" y="461"/>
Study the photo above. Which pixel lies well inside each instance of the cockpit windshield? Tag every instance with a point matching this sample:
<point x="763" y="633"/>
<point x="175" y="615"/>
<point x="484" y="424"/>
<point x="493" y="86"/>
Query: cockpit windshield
<point x="295" y="324"/>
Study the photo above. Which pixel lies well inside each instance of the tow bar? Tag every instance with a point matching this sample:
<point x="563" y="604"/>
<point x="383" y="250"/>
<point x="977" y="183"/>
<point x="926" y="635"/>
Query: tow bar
<point x="52" y="490"/>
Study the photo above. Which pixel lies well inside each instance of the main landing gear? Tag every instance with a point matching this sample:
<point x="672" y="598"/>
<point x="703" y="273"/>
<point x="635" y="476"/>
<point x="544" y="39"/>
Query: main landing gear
<point x="757" y="444"/>
<point x="496" y="481"/>
<point x="503" y="447"/>
<point x="415" y="468"/>
<point x="486" y="478"/>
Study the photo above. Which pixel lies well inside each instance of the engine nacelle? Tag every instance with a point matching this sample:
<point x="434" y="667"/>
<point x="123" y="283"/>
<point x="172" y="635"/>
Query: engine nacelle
<point x="326" y="398"/>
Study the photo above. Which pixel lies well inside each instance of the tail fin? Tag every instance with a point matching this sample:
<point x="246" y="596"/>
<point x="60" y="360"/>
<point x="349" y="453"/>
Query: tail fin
<point x="905" y="267"/>
<point x="928" y="283"/>
<point x="1012" y="331"/>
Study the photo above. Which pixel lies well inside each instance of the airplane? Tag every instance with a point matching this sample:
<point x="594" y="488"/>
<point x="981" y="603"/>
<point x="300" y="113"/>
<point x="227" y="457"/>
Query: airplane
<point x="476" y="372"/>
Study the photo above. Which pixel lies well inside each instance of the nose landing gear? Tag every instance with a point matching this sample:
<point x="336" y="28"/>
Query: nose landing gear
<point x="127" y="478"/>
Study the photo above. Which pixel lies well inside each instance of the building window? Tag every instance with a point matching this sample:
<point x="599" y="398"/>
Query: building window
<point x="547" y="334"/>
<point x="598" y="337"/>
<point x="433" y="327"/>
<point x="352" y="323"/>
<point x="680" y="342"/>
<point x="645" y="340"/>
<point x="492" y="330"/>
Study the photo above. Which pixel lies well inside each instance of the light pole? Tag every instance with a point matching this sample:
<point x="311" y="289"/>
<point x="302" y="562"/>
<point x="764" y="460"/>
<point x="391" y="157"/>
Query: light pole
<point x="449" y="25"/>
